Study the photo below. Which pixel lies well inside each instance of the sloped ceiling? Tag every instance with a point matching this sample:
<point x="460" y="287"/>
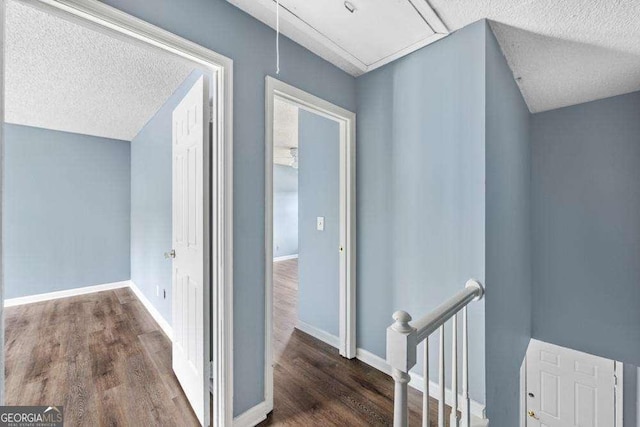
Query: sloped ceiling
<point x="64" y="76"/>
<point x="561" y="52"/>
<point x="357" y="36"/>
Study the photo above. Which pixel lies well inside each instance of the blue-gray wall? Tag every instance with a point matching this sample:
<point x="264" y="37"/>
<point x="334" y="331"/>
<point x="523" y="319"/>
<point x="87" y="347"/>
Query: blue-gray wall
<point x="508" y="237"/>
<point x="586" y="232"/>
<point x="151" y="209"/>
<point x="285" y="210"/>
<point x="319" y="195"/>
<point x="218" y="25"/>
<point x="66" y="210"/>
<point x="586" y="227"/>
<point x="420" y="174"/>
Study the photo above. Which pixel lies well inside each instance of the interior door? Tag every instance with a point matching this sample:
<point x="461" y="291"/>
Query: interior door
<point x="190" y="244"/>
<point x="568" y="388"/>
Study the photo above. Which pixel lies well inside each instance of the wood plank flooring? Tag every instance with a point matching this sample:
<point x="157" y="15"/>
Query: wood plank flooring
<point x="101" y="356"/>
<point x="314" y="385"/>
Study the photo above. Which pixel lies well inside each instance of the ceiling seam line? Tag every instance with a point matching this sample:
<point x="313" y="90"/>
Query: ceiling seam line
<point x="422" y="16"/>
<point x="322" y="34"/>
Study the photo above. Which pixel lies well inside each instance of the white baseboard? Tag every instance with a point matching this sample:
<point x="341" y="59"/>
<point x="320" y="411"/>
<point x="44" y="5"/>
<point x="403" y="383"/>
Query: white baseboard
<point x="252" y="416"/>
<point x="323" y="336"/>
<point x="477" y="409"/>
<point x="11" y="302"/>
<point x="96" y="288"/>
<point x="164" y="325"/>
<point x="374" y="361"/>
<point x="285" y="257"/>
<point x="259" y="413"/>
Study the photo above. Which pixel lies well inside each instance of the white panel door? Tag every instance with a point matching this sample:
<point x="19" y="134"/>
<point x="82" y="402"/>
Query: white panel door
<point x="567" y="388"/>
<point x="190" y="133"/>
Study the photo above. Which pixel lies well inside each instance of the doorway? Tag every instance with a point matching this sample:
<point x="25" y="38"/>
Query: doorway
<point x="207" y="201"/>
<point x="323" y="118"/>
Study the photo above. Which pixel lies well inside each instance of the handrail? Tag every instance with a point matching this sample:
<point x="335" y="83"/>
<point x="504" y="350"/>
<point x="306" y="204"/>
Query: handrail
<point x="402" y="343"/>
<point x="428" y="324"/>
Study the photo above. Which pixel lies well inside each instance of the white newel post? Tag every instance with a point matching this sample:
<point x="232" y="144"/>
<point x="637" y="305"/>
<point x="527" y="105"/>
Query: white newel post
<point x="401" y="356"/>
<point x="400" y="402"/>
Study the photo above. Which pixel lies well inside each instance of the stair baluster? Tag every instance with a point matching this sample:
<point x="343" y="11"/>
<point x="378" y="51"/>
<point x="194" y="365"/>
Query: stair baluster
<point x="453" y="422"/>
<point x="425" y="384"/>
<point x="402" y="341"/>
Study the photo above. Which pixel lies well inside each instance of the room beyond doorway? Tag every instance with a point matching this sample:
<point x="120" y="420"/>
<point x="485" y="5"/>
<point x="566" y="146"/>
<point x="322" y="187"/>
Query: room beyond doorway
<point x="212" y="171"/>
<point x="325" y="119"/>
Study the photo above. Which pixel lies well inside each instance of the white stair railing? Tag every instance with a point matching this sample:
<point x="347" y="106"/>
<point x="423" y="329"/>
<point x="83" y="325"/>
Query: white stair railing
<point x="402" y="343"/>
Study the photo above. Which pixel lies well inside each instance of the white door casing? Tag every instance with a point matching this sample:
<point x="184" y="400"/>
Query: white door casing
<point x="347" y="250"/>
<point x="190" y="279"/>
<point x="569" y="388"/>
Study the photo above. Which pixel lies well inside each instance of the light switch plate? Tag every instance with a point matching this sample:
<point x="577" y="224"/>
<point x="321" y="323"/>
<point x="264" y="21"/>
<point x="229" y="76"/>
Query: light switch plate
<point x="320" y="223"/>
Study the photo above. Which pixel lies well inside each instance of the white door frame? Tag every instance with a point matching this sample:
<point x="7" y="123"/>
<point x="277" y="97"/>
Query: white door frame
<point x="347" y="121"/>
<point x="619" y="396"/>
<point x="218" y="169"/>
<point x="2" y="98"/>
<point x="619" y="392"/>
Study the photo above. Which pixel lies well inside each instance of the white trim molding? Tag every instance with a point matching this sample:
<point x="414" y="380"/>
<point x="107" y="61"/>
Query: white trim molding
<point x="3" y="5"/>
<point x="258" y="413"/>
<point x="252" y="416"/>
<point x="618" y="368"/>
<point x="318" y="333"/>
<point x="120" y="24"/>
<point x="477" y="409"/>
<point x="164" y="325"/>
<point x="12" y="302"/>
<point x="347" y="250"/>
<point x="285" y="257"/>
<point x="68" y="293"/>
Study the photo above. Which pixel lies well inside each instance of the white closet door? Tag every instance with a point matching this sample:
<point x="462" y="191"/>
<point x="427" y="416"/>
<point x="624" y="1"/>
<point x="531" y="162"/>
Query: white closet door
<point x="190" y="134"/>
<point x="568" y="388"/>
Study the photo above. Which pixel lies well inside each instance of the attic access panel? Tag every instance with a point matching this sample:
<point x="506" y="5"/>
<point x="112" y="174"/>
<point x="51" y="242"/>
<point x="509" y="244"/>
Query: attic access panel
<point x="376" y="32"/>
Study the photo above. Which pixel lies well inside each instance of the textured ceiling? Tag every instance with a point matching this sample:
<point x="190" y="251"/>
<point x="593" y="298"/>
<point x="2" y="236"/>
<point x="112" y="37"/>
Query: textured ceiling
<point x="562" y="52"/>
<point x="285" y="132"/>
<point x="63" y="76"/>
<point x="285" y="124"/>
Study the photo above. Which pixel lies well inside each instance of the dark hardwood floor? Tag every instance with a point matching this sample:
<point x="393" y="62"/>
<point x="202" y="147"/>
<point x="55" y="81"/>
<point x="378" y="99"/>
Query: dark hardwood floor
<point x="104" y="358"/>
<point x="314" y="385"/>
<point x="101" y="356"/>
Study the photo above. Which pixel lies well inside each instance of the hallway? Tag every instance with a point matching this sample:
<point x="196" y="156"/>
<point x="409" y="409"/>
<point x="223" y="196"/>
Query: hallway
<point x="314" y="385"/>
